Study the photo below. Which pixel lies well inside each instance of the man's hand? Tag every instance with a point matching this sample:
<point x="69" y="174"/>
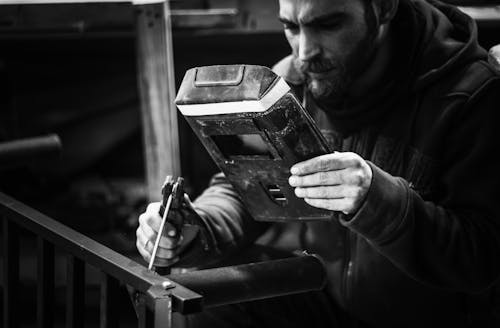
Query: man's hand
<point x="149" y="224"/>
<point x="337" y="181"/>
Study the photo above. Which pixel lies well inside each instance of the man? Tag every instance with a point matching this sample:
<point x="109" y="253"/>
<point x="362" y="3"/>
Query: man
<point x="402" y="90"/>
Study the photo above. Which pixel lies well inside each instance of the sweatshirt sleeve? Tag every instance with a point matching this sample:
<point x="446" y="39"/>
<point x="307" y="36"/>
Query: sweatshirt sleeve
<point x="452" y="242"/>
<point x="227" y="224"/>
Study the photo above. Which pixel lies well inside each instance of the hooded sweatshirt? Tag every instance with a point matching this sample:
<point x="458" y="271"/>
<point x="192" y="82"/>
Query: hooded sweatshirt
<point x="423" y="249"/>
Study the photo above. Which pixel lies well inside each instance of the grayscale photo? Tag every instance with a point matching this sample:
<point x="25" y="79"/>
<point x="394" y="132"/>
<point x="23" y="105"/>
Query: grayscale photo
<point x="249" y="163"/>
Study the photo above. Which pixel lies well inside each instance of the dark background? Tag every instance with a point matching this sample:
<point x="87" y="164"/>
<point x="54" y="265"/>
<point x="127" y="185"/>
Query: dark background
<point x="71" y="70"/>
<point x="82" y="85"/>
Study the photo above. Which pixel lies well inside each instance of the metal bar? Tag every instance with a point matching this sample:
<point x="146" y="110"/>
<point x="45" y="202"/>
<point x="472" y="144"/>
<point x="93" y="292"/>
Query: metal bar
<point x="155" y="67"/>
<point x="163" y="313"/>
<point x="95" y="254"/>
<point x="109" y="300"/>
<point x="75" y="292"/>
<point x="10" y="273"/>
<point x="24" y="151"/>
<point x="75" y="243"/>
<point x="160" y="232"/>
<point x="37" y="2"/>
<point x="254" y="281"/>
<point x="145" y="315"/>
<point x="487" y="13"/>
<point x="205" y="18"/>
<point x="45" y="284"/>
<point x="162" y="306"/>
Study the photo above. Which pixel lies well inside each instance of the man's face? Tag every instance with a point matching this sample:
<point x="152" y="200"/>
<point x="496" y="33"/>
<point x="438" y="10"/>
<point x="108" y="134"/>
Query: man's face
<point x="332" y="42"/>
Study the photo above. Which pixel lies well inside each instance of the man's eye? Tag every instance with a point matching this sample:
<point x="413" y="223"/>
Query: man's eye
<point x="329" y="26"/>
<point x="290" y="26"/>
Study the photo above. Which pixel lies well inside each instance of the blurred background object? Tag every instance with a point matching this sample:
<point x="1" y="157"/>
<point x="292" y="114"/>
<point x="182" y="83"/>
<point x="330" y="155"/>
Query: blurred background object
<point x="72" y="70"/>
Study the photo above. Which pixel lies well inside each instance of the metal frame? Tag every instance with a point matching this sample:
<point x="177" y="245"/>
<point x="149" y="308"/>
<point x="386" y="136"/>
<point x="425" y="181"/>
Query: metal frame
<point x="151" y="289"/>
<point x="155" y="297"/>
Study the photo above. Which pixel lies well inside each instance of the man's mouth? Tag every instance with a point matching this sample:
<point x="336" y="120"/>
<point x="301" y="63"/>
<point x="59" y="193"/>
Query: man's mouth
<point x="320" y="74"/>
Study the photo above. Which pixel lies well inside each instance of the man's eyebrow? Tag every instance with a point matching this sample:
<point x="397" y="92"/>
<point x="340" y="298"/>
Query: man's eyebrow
<point x="316" y="20"/>
<point x="325" y="18"/>
<point x="285" y="20"/>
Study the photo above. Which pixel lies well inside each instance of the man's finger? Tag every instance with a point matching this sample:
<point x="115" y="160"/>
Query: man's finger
<point x="150" y="220"/>
<point x="344" y="205"/>
<point x="153" y="207"/>
<point x="328" y="162"/>
<point x="163" y="257"/>
<point x="330" y="192"/>
<point x="142" y="239"/>
<point x="151" y="235"/>
<point x="317" y="179"/>
<point x="140" y="247"/>
<point x="163" y="253"/>
<point x="165" y="262"/>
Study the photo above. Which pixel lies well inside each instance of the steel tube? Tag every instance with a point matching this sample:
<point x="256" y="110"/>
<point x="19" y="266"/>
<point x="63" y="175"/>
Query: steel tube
<point x="75" y="292"/>
<point x="236" y="284"/>
<point x="25" y="151"/>
<point x="109" y="311"/>
<point x="10" y="273"/>
<point x="145" y="315"/>
<point x="45" y="284"/>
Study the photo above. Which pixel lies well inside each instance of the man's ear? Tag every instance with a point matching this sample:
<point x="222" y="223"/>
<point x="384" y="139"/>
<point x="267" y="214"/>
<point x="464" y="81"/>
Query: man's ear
<point x="385" y="9"/>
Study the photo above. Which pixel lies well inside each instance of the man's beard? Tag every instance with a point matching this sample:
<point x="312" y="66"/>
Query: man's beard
<point x="329" y="85"/>
<point x="329" y="80"/>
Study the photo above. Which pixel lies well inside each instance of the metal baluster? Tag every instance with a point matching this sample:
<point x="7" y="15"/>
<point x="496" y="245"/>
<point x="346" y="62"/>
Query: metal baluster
<point x="155" y="68"/>
<point x="145" y="315"/>
<point x="45" y="284"/>
<point x="75" y="292"/>
<point x="162" y="305"/>
<point x="163" y="313"/>
<point x="110" y="288"/>
<point x="10" y="273"/>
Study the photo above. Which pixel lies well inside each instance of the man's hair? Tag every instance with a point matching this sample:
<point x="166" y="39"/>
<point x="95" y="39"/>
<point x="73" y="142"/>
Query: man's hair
<point x="371" y="19"/>
<point x="387" y="9"/>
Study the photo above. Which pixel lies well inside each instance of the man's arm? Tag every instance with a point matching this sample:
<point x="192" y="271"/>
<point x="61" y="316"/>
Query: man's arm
<point x="453" y="242"/>
<point x="226" y="220"/>
<point x="225" y="227"/>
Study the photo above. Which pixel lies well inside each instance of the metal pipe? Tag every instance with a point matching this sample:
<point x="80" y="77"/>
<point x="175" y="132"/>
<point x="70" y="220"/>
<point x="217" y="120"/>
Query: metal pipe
<point x="236" y="284"/>
<point x="45" y="284"/>
<point x="10" y="245"/>
<point x="25" y="151"/>
<point x="75" y="292"/>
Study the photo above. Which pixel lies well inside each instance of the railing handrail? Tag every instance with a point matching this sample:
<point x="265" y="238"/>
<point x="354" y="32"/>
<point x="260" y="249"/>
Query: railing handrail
<point x="175" y="292"/>
<point x="90" y="251"/>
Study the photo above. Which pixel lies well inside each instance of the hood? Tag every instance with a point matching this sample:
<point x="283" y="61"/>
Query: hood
<point x="446" y="40"/>
<point x="432" y="39"/>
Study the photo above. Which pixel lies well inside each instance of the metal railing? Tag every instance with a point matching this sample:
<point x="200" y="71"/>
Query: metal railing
<point x="152" y="290"/>
<point x="155" y="297"/>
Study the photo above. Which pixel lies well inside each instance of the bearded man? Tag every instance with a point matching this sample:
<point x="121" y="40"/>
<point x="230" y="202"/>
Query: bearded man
<point x="402" y="90"/>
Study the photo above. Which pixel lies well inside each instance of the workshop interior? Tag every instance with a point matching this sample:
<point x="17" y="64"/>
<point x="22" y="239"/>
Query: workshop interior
<point x="73" y="81"/>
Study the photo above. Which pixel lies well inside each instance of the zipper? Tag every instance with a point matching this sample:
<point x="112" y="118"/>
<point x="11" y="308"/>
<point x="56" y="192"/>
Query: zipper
<point x="348" y="269"/>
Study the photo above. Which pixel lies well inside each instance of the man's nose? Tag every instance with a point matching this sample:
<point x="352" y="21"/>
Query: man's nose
<point x="308" y="45"/>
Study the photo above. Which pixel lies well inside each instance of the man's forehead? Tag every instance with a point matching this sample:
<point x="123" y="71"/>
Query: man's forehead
<point x="307" y="10"/>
